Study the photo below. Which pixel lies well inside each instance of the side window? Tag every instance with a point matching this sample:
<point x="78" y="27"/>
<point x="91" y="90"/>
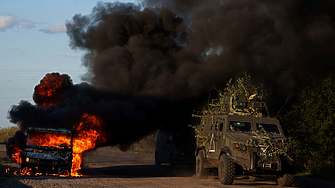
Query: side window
<point x="221" y="126"/>
<point x="240" y="126"/>
<point x="271" y="128"/>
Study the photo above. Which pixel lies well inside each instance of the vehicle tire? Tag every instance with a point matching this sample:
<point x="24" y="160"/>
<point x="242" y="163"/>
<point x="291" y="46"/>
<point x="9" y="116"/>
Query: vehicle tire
<point x="157" y="162"/>
<point x="200" y="169"/>
<point x="171" y="161"/>
<point x="286" y="180"/>
<point x="226" y="170"/>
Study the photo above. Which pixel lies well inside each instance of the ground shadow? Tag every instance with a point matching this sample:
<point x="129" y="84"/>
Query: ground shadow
<point x="140" y="171"/>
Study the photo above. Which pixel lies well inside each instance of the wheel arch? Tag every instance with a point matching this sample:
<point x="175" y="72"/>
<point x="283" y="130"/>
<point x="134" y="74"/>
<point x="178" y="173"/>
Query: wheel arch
<point x="224" y="151"/>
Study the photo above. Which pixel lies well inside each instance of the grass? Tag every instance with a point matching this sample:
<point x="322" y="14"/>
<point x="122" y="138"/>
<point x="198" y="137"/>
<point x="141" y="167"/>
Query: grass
<point x="5" y="133"/>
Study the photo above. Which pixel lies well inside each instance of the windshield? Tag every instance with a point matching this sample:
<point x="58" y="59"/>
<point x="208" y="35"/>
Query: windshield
<point x="240" y="126"/>
<point x="48" y="139"/>
<point x="271" y="128"/>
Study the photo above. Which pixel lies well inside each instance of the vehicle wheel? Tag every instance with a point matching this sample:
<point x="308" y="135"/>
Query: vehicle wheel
<point x="171" y="161"/>
<point x="157" y="162"/>
<point x="226" y="170"/>
<point x="286" y="180"/>
<point x="200" y="169"/>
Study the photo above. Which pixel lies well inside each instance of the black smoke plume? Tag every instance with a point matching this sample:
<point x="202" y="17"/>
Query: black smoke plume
<point x="181" y="49"/>
<point x="151" y="64"/>
<point x="125" y="118"/>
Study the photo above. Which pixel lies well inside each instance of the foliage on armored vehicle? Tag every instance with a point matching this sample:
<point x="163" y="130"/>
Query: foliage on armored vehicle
<point x="234" y="137"/>
<point x="241" y="98"/>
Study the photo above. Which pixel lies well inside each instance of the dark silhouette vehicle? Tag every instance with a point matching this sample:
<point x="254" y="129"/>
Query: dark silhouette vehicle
<point x="175" y="147"/>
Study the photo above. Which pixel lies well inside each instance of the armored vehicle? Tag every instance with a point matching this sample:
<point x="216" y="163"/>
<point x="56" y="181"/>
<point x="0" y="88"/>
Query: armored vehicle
<point x="231" y="152"/>
<point x="47" y="151"/>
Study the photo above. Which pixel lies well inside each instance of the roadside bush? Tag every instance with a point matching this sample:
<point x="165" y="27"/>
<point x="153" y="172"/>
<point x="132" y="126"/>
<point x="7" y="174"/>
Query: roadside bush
<point x="7" y="132"/>
<point x="311" y="127"/>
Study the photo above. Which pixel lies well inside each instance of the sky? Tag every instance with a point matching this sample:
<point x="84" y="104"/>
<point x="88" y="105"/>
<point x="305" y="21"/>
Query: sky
<point x="33" y="42"/>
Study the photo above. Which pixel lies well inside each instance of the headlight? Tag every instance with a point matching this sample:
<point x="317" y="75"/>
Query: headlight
<point x="241" y="147"/>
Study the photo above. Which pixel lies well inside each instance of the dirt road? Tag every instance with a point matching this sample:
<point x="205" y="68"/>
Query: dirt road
<point x="106" y="167"/>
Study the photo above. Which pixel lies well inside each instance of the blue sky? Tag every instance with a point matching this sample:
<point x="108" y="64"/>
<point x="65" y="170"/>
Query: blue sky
<point x="33" y="42"/>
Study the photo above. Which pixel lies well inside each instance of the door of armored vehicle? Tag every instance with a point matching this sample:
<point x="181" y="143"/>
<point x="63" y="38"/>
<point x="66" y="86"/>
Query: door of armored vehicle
<point x="218" y="137"/>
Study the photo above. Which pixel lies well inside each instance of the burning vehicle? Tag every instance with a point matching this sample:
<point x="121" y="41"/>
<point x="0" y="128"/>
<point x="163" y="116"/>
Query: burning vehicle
<point x="53" y="147"/>
<point x="53" y="158"/>
<point x="66" y="121"/>
<point x="51" y="151"/>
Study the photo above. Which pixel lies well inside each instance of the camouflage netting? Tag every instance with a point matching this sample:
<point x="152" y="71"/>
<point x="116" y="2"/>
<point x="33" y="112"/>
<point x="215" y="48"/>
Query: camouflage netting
<point x="239" y="98"/>
<point x="227" y="102"/>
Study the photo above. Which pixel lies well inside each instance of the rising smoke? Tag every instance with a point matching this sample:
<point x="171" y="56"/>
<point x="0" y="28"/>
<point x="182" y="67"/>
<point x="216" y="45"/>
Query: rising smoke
<point x="60" y="104"/>
<point x="150" y="64"/>
<point x="186" y="48"/>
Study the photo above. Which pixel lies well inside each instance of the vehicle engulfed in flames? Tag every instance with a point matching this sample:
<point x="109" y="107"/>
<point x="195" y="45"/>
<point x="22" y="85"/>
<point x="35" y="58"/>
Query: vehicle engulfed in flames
<point x="51" y="157"/>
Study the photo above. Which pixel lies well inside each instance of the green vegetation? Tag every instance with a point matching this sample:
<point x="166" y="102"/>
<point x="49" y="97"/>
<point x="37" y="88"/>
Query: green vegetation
<point x="202" y="138"/>
<point x="241" y="88"/>
<point x="6" y="133"/>
<point x="277" y="147"/>
<point x="311" y="127"/>
<point x="219" y="106"/>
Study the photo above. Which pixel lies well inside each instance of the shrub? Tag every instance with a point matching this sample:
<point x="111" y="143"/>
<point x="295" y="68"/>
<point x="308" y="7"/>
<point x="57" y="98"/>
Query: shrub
<point x="311" y="126"/>
<point x="7" y="132"/>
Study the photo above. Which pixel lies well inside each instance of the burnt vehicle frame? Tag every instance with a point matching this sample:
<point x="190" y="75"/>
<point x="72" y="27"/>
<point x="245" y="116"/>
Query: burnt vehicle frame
<point x="229" y="152"/>
<point x="47" y="159"/>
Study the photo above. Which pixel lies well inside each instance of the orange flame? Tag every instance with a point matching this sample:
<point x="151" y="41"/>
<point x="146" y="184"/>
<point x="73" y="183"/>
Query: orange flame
<point x="26" y="171"/>
<point x="50" y="88"/>
<point x="16" y="154"/>
<point x="49" y="139"/>
<point x="89" y="134"/>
